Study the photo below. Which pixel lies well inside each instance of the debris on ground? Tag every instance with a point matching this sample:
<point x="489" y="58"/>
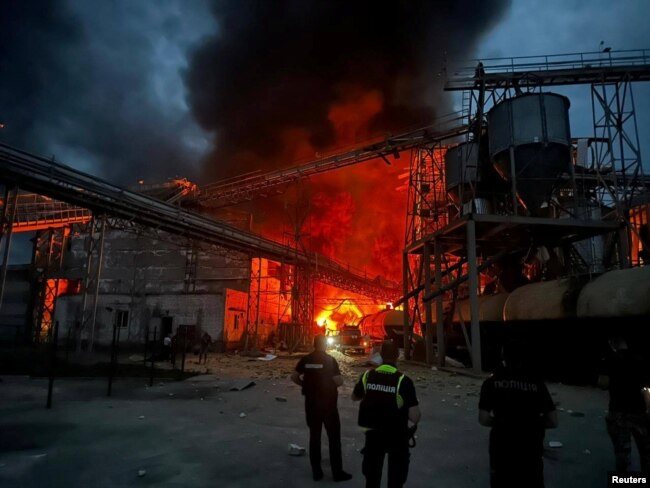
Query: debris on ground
<point x="281" y="398"/>
<point x="268" y="357"/>
<point x="296" y="450"/>
<point x="142" y="472"/>
<point x="242" y="385"/>
<point x="554" y="444"/>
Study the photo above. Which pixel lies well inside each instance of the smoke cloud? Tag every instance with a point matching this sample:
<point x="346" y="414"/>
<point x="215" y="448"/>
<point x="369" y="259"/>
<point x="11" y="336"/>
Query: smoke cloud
<point x="98" y="85"/>
<point x="285" y="81"/>
<point x="312" y="71"/>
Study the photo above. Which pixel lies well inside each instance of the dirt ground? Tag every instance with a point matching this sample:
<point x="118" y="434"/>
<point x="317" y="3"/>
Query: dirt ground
<point x="199" y="433"/>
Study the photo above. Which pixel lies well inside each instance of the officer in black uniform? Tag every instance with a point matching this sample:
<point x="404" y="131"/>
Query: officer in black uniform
<point x="626" y="374"/>
<point x="388" y="403"/>
<point x="319" y="375"/>
<point x="517" y="405"/>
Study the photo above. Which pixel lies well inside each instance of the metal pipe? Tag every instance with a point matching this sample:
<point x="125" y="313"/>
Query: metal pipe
<point x="428" y="331"/>
<point x="473" y="295"/>
<point x="155" y="330"/>
<point x="11" y="195"/>
<point x="407" y="322"/>
<point x="53" y="350"/>
<point x="513" y="180"/>
<point x="440" y="325"/>
<point x="184" y="349"/>
<point x="259" y="292"/>
<point x="100" y="259"/>
<point x="111" y="371"/>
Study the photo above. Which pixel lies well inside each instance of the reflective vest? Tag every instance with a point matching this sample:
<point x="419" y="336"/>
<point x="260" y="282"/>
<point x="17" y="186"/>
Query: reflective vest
<point x="381" y="406"/>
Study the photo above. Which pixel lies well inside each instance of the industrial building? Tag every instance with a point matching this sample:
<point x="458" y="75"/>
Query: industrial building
<point x="510" y="219"/>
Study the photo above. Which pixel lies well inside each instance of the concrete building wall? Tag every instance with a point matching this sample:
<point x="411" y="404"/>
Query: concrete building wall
<point x="155" y="281"/>
<point x="206" y="312"/>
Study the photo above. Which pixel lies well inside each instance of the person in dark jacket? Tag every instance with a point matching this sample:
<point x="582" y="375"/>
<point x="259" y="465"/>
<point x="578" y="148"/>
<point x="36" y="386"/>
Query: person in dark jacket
<point x="627" y="376"/>
<point x="319" y="376"/>
<point x="388" y="404"/>
<point x="516" y="404"/>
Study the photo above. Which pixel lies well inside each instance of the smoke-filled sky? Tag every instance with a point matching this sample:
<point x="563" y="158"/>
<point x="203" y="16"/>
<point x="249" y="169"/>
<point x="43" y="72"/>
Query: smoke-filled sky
<point x="207" y="89"/>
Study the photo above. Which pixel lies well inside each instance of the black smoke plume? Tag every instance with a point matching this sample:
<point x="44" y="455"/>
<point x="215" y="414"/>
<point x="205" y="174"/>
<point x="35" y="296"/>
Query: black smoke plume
<point x="274" y="66"/>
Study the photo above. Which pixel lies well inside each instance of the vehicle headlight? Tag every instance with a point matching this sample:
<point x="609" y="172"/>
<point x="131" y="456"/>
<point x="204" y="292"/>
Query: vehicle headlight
<point x="330" y="340"/>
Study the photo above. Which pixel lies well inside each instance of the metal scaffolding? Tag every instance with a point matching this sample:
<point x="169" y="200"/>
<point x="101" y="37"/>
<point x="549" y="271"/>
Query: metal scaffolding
<point x="446" y="259"/>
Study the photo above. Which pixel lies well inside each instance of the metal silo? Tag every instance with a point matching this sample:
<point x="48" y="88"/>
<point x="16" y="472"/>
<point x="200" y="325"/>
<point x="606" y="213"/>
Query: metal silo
<point x="462" y="171"/>
<point x="530" y="134"/>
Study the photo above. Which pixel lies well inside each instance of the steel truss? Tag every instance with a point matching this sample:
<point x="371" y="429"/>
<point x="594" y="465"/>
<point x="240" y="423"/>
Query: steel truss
<point x="447" y="261"/>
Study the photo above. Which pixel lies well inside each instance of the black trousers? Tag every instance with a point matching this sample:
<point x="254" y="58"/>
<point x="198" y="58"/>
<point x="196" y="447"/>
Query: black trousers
<point x="621" y="427"/>
<point x="378" y="445"/>
<point x="515" y="462"/>
<point x="317" y="416"/>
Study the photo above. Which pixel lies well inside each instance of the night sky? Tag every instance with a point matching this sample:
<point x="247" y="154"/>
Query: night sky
<point x="205" y="89"/>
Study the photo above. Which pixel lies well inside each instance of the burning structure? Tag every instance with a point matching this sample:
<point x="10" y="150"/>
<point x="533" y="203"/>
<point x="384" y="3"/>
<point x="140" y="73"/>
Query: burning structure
<point x="504" y="210"/>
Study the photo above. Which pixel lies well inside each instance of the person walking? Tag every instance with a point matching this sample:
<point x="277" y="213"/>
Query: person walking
<point x="319" y="376"/>
<point x="388" y="404"/>
<point x="516" y="404"/>
<point x="627" y="377"/>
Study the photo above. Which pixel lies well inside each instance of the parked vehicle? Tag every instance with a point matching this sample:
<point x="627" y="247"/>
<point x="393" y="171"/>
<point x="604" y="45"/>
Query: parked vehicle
<point x="349" y="340"/>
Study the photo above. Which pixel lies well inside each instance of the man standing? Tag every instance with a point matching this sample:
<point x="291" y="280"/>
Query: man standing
<point x="388" y="403"/>
<point x="626" y="375"/>
<point x="319" y="376"/>
<point x="518" y="407"/>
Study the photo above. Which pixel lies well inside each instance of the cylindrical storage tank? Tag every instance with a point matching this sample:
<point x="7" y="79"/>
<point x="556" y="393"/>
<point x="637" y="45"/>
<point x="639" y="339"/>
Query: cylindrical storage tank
<point x="490" y="308"/>
<point x="536" y="127"/>
<point x="462" y="171"/>
<point x="545" y="300"/>
<point x="620" y="293"/>
<point x="381" y="324"/>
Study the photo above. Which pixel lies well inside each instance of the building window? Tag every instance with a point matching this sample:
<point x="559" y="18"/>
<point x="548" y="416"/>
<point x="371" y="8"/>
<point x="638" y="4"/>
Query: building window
<point x="122" y="319"/>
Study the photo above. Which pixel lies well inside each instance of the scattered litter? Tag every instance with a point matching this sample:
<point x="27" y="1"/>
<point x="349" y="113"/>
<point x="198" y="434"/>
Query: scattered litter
<point x="456" y="405"/>
<point x="36" y="456"/>
<point x="586" y="451"/>
<point x="242" y="385"/>
<point x="141" y="417"/>
<point x="458" y="386"/>
<point x="281" y="398"/>
<point x="142" y="472"/>
<point x="433" y="368"/>
<point x="554" y="444"/>
<point x="296" y="450"/>
<point x="171" y="394"/>
<point x="569" y="411"/>
<point x="561" y="409"/>
<point x="268" y="357"/>
<point x="443" y="400"/>
<point x="577" y="414"/>
<point x="242" y="415"/>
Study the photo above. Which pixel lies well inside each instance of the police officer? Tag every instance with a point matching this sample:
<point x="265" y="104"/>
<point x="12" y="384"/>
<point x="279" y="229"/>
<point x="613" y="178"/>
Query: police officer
<point x="517" y="405"/>
<point x="627" y="374"/>
<point x="388" y="403"/>
<point x="319" y="375"/>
